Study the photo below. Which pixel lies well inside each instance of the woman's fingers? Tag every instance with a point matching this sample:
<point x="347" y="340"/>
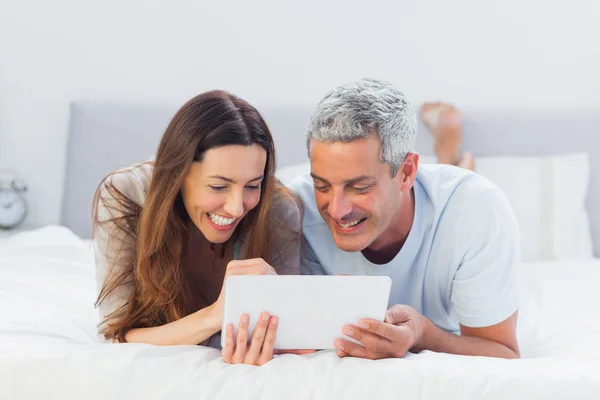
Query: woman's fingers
<point x="258" y="336"/>
<point x="266" y="353"/>
<point x="228" y="349"/>
<point x="261" y="347"/>
<point x="242" y="340"/>
<point x="257" y="266"/>
<point x="257" y="270"/>
<point x="248" y="271"/>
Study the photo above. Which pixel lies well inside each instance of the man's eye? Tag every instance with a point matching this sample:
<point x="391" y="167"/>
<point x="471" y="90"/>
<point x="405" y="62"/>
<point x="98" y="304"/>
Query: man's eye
<point x="320" y="188"/>
<point x="362" y="188"/>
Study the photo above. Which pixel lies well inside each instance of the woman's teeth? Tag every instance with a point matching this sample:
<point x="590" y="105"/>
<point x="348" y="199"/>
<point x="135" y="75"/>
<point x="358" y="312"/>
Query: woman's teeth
<point x="349" y="224"/>
<point x="219" y="220"/>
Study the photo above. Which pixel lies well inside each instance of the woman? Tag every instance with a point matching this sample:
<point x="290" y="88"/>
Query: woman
<point x="168" y="232"/>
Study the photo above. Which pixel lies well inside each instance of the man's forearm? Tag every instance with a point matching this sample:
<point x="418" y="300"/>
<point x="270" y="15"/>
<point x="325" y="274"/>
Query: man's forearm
<point x="438" y="340"/>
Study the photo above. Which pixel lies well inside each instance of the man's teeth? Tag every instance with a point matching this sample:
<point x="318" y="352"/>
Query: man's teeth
<point x="221" y="221"/>
<point x="349" y="224"/>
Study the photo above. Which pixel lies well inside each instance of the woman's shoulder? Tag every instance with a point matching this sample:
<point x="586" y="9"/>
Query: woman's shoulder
<point x="286" y="208"/>
<point x="132" y="182"/>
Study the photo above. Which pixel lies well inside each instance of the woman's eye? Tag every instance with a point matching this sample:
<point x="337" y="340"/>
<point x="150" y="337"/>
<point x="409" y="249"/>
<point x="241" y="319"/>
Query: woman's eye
<point x="256" y="187"/>
<point x="217" y="188"/>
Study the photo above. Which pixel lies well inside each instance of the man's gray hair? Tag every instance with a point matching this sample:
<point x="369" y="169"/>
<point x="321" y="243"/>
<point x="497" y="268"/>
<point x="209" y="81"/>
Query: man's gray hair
<point x="358" y="109"/>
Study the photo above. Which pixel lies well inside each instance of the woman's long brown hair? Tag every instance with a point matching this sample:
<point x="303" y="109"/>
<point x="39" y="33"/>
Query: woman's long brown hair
<point x="159" y="292"/>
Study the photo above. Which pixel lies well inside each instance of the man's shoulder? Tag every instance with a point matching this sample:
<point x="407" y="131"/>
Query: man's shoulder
<point x="302" y="184"/>
<point x="465" y="199"/>
<point x="449" y="184"/>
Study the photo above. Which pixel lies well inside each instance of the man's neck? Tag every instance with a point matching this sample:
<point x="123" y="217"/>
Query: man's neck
<point x="385" y="248"/>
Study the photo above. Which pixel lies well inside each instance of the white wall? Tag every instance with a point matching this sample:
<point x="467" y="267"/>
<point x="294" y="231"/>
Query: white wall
<point x="476" y="53"/>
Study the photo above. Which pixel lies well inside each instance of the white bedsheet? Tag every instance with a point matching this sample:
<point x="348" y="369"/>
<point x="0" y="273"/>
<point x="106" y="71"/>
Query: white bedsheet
<point x="49" y="348"/>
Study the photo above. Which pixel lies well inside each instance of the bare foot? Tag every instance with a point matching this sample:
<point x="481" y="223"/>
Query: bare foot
<point x="467" y="161"/>
<point x="445" y="123"/>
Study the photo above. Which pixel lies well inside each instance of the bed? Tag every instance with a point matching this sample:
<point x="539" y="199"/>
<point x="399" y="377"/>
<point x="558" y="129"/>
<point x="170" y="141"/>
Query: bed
<point x="49" y="347"/>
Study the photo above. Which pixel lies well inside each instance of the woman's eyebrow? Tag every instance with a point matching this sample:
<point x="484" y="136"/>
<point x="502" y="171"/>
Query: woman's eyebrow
<point x="232" y="181"/>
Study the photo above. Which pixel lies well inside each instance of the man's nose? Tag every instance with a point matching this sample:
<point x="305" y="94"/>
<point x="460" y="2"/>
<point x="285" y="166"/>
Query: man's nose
<point x="339" y="206"/>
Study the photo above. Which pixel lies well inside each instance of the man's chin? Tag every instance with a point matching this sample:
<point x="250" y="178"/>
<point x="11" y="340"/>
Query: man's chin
<point x="350" y="244"/>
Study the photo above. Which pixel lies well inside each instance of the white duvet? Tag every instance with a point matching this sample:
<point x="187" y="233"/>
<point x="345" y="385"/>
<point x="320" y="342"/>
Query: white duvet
<point x="49" y="348"/>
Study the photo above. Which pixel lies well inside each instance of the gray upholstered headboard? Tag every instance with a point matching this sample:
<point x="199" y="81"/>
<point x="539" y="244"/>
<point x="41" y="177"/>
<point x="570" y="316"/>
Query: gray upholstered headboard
<point x="104" y="137"/>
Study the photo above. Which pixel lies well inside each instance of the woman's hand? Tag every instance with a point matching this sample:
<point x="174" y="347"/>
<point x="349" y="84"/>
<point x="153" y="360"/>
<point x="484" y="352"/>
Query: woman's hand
<point x="254" y="266"/>
<point x="259" y="350"/>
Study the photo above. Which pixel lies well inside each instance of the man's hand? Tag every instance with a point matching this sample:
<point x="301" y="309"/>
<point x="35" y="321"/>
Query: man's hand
<point x="400" y="331"/>
<point x="404" y="329"/>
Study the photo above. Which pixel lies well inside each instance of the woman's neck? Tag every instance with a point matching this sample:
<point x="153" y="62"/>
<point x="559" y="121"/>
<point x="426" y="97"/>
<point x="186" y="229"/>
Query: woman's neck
<point x="198" y="242"/>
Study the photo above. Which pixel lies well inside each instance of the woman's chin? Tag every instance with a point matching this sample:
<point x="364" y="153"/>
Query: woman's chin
<point x="216" y="233"/>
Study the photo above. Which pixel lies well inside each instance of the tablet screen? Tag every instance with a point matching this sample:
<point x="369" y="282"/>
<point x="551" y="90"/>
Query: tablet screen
<point x="312" y="310"/>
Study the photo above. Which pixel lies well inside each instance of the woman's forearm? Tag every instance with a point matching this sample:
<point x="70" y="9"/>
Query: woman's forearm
<point x="192" y="329"/>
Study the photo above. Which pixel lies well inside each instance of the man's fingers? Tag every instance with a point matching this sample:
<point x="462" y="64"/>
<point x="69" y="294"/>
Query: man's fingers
<point x="371" y="341"/>
<point x="346" y="348"/>
<point x="227" y="350"/>
<point x="341" y="354"/>
<point x="388" y="339"/>
<point x="396" y="315"/>
<point x="266" y="354"/>
<point x="258" y="336"/>
<point x="379" y="328"/>
<point x="242" y="339"/>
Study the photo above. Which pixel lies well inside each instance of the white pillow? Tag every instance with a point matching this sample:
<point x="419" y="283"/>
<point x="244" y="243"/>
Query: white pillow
<point x="547" y="194"/>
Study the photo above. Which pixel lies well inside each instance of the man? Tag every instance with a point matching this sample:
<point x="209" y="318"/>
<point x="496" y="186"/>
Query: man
<point x="446" y="236"/>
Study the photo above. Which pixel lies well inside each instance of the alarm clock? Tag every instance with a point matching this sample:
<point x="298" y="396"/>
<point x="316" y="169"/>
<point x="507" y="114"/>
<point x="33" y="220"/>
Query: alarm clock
<point x="13" y="206"/>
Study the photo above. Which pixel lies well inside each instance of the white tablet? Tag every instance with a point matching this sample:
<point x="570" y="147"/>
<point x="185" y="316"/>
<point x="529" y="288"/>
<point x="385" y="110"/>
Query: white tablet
<point x="312" y="310"/>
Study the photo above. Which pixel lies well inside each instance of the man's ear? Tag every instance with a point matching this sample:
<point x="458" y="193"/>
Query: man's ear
<point x="408" y="171"/>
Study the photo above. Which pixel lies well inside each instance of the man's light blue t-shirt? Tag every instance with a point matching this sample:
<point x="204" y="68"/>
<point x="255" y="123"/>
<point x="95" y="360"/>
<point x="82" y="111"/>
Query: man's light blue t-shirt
<point x="460" y="261"/>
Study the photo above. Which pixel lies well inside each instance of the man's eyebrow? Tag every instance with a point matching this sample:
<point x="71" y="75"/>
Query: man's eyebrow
<point x="349" y="181"/>
<point x="232" y="181"/>
<point x="359" y="179"/>
<point x="315" y="176"/>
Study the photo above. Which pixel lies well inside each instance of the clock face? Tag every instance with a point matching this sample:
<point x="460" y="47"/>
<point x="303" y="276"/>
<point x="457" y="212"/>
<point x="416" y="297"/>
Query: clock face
<point x="12" y="208"/>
